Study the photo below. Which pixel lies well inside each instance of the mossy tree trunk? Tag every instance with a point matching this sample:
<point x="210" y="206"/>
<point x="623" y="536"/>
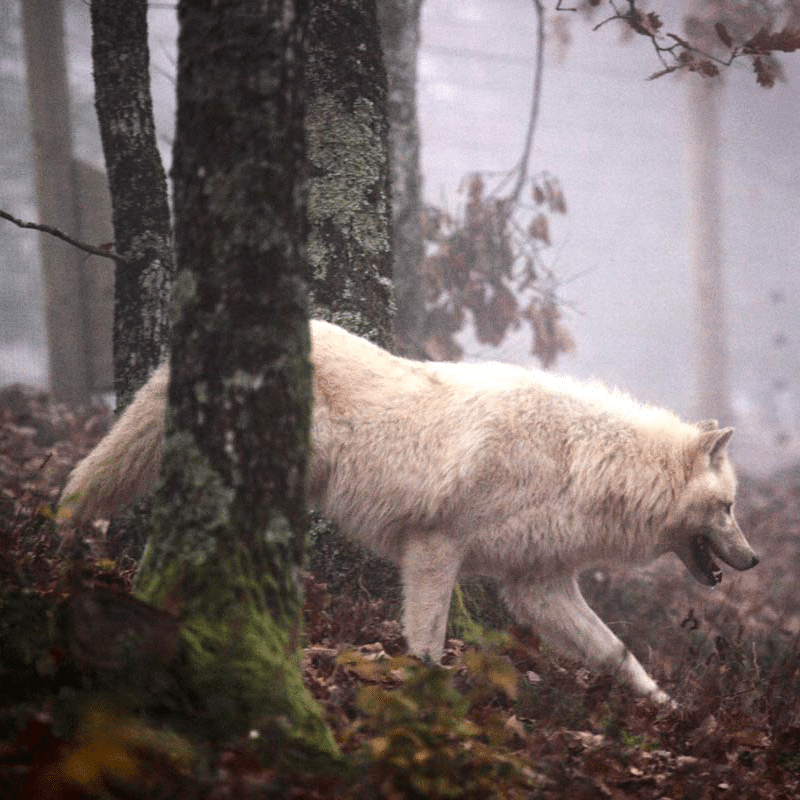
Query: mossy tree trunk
<point x="349" y="210"/>
<point x="138" y="186"/>
<point x="228" y="521"/>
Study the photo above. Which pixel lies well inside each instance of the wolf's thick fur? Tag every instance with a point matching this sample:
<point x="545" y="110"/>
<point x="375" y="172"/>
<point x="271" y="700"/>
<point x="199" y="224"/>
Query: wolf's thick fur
<point x="449" y="469"/>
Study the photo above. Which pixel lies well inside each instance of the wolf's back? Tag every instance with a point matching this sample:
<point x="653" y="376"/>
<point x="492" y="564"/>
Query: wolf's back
<point x="126" y="462"/>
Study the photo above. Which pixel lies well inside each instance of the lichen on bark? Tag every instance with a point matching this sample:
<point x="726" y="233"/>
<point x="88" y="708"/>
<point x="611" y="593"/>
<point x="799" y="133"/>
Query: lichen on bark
<point x="349" y="160"/>
<point x="349" y="211"/>
<point x="347" y="145"/>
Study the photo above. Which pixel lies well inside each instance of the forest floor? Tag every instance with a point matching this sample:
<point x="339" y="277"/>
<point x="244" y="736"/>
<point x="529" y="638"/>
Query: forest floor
<point x="503" y="718"/>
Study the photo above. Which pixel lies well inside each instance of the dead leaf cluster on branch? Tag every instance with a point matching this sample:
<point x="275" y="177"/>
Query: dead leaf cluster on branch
<point x="487" y="262"/>
<point x="716" y="34"/>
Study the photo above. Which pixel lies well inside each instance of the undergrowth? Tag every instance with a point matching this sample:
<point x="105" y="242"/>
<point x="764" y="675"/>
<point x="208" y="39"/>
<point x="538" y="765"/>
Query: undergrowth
<point x="503" y="718"/>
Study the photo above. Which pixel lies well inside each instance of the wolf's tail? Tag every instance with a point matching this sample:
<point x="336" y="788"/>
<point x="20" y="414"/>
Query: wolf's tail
<point x="126" y="462"/>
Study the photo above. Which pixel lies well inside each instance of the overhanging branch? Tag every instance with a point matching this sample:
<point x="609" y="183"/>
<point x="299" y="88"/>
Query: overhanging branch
<point x="105" y="252"/>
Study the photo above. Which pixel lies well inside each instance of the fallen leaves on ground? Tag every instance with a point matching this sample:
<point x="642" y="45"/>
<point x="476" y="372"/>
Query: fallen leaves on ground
<point x="531" y="725"/>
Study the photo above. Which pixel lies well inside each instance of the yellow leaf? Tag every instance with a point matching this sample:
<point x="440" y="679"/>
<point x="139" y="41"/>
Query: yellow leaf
<point x="378" y="746"/>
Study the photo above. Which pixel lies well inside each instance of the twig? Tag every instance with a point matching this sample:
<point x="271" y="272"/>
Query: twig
<point x="87" y="248"/>
<point x="522" y="174"/>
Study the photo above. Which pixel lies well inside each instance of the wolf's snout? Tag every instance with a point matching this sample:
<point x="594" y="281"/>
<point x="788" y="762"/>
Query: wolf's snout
<point x="754" y="559"/>
<point x="699" y="551"/>
<point x="736" y="554"/>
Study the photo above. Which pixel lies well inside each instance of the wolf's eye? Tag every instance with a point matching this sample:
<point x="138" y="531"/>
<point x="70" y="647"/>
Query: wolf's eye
<point x="727" y="507"/>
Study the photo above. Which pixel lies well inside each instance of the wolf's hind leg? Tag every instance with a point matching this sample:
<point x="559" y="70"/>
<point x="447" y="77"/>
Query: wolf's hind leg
<point x="557" y="610"/>
<point x="429" y="566"/>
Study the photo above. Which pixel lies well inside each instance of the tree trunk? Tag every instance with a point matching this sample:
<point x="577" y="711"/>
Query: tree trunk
<point x="399" y="24"/>
<point x="142" y="234"/>
<point x="229" y="517"/>
<point x="57" y="199"/>
<point x="349" y="211"/>
<point x="347" y="139"/>
<point x="705" y="234"/>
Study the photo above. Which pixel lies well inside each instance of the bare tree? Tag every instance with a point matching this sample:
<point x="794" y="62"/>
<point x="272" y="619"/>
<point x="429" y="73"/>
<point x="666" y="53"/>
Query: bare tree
<point x="715" y="34"/>
<point x="142" y="232"/>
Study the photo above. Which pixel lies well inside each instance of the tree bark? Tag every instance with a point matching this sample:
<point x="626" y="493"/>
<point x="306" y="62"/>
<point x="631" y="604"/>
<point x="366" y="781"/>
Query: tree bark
<point x="349" y="211"/>
<point x="349" y="204"/>
<point x="229" y="517"/>
<point x="138" y="186"/>
<point x="399" y="26"/>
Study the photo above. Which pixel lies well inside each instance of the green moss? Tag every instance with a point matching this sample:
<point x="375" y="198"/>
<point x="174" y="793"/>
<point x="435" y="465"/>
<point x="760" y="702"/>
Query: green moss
<point x="248" y="674"/>
<point x="460" y="624"/>
<point x="476" y="611"/>
<point x="241" y="647"/>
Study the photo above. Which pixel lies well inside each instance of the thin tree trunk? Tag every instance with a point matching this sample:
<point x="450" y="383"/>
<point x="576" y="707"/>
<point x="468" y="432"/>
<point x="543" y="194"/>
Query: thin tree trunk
<point x="399" y="24"/>
<point x="138" y="186"/>
<point x="57" y="199"/>
<point x="705" y="235"/>
<point x="229" y="517"/>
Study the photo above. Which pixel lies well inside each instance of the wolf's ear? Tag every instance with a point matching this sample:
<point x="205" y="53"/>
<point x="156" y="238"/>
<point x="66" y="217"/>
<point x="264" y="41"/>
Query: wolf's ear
<point x="707" y="425"/>
<point x="713" y="443"/>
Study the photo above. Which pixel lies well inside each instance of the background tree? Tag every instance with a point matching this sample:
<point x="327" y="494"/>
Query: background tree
<point x="349" y="211"/>
<point x="349" y="200"/>
<point x="229" y="517"/>
<point x="57" y="199"/>
<point x="140" y="213"/>
<point x="714" y="35"/>
<point x="142" y="232"/>
<point x="400" y="36"/>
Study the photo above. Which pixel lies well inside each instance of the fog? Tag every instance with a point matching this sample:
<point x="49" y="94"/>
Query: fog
<point x="617" y="143"/>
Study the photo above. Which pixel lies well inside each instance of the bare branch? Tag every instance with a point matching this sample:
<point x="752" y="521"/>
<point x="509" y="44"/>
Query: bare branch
<point x="522" y="174"/>
<point x="87" y="248"/>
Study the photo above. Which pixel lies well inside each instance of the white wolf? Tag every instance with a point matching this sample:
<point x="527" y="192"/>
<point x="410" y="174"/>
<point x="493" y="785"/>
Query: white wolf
<point x="487" y="469"/>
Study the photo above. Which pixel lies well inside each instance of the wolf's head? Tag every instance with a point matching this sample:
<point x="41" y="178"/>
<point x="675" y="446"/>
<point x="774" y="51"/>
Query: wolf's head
<point x="702" y="525"/>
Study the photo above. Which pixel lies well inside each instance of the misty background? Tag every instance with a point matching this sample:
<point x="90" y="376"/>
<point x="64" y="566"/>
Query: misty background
<point x="616" y="142"/>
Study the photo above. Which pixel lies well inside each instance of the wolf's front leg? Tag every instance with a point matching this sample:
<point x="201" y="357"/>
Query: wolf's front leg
<point x="428" y="567"/>
<point x="557" y="610"/>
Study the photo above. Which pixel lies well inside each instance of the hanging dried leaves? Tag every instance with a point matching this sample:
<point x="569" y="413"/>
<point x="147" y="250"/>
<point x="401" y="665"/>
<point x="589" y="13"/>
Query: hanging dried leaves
<point x="717" y="33"/>
<point x="550" y="336"/>
<point x="488" y="263"/>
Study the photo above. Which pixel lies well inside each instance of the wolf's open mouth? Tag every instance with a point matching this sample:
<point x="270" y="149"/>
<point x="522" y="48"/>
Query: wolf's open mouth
<point x="701" y="553"/>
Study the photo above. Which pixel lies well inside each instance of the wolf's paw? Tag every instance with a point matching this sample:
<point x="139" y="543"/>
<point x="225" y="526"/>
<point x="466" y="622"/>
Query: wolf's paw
<point x="661" y="698"/>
